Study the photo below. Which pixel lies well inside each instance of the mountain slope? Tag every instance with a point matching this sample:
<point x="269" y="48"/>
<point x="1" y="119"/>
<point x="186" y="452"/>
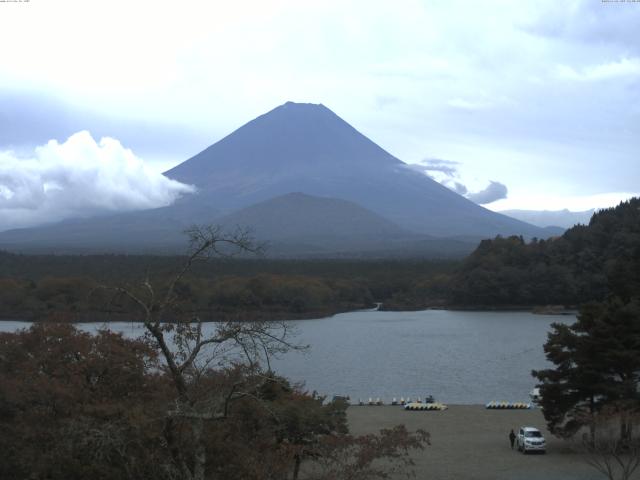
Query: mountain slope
<point x="159" y="230"/>
<point x="308" y="148"/>
<point x="301" y="225"/>
<point x="300" y="216"/>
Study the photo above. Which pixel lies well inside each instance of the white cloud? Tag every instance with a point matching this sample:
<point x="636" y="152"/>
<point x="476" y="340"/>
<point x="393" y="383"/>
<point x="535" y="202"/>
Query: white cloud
<point x="446" y="173"/>
<point x="442" y="171"/>
<point x="79" y="177"/>
<point x="626" y="67"/>
<point x="429" y="166"/>
<point x="494" y="191"/>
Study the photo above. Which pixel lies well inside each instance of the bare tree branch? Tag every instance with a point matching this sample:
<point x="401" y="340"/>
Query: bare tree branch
<point x="186" y="355"/>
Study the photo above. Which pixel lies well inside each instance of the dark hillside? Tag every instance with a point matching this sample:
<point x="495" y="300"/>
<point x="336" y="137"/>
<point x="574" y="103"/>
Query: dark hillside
<point x="585" y="264"/>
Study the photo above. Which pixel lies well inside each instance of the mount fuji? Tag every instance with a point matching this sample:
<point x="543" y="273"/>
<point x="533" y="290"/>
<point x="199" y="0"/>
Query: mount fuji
<point x="303" y="178"/>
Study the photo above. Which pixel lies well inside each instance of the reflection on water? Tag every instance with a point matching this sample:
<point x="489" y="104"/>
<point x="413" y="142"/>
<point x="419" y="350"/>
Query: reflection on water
<point x="458" y="357"/>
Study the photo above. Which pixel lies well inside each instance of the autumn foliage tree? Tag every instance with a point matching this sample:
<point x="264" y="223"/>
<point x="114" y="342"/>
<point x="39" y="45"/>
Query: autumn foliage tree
<point x="75" y="405"/>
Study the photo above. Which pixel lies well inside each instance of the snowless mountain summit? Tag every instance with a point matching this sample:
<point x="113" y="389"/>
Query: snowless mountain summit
<point x="302" y="147"/>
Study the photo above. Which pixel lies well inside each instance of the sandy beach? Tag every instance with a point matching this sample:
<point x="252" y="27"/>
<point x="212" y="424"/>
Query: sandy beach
<point x="471" y="442"/>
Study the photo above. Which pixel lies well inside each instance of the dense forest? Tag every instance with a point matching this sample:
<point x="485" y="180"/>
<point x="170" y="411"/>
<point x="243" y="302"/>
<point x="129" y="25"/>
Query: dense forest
<point x="71" y="288"/>
<point x="585" y="264"/>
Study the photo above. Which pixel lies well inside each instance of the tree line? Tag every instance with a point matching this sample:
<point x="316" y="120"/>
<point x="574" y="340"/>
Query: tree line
<point x="261" y="296"/>
<point x="65" y="288"/>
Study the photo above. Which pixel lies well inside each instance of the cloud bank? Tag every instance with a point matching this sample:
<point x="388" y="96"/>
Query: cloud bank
<point x="78" y="178"/>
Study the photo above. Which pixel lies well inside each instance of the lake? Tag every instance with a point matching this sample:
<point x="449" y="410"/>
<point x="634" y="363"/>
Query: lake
<point x="458" y="357"/>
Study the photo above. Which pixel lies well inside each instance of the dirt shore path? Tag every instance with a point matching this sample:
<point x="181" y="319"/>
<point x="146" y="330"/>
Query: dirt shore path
<point x="471" y="442"/>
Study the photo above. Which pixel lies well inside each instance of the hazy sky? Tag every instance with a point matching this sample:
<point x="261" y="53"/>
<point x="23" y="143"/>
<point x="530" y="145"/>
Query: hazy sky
<point x="538" y="100"/>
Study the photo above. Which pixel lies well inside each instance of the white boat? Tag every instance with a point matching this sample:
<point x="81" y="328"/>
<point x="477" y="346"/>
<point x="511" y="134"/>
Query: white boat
<point x="535" y="395"/>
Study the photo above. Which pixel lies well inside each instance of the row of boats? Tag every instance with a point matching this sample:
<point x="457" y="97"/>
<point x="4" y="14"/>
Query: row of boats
<point x="427" y="400"/>
<point x="508" y="405"/>
<point x="425" y="406"/>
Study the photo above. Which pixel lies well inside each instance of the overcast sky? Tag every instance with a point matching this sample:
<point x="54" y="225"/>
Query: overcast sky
<point x="538" y="101"/>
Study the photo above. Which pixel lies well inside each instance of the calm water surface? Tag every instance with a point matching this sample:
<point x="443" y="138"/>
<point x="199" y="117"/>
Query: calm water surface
<point x="458" y="357"/>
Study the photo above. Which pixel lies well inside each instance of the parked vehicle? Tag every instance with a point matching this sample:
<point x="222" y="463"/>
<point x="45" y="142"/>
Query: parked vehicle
<point x="530" y="439"/>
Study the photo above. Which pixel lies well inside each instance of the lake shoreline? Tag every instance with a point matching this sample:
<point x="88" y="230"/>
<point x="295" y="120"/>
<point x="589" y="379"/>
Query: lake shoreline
<point x="267" y="316"/>
<point x="535" y="309"/>
<point x="323" y="314"/>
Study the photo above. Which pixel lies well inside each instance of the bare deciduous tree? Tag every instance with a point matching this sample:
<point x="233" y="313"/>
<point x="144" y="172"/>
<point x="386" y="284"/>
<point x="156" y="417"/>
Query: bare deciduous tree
<point x="613" y="447"/>
<point x="191" y="351"/>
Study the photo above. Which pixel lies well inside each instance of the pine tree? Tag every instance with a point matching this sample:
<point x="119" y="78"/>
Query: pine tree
<point x="597" y="364"/>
